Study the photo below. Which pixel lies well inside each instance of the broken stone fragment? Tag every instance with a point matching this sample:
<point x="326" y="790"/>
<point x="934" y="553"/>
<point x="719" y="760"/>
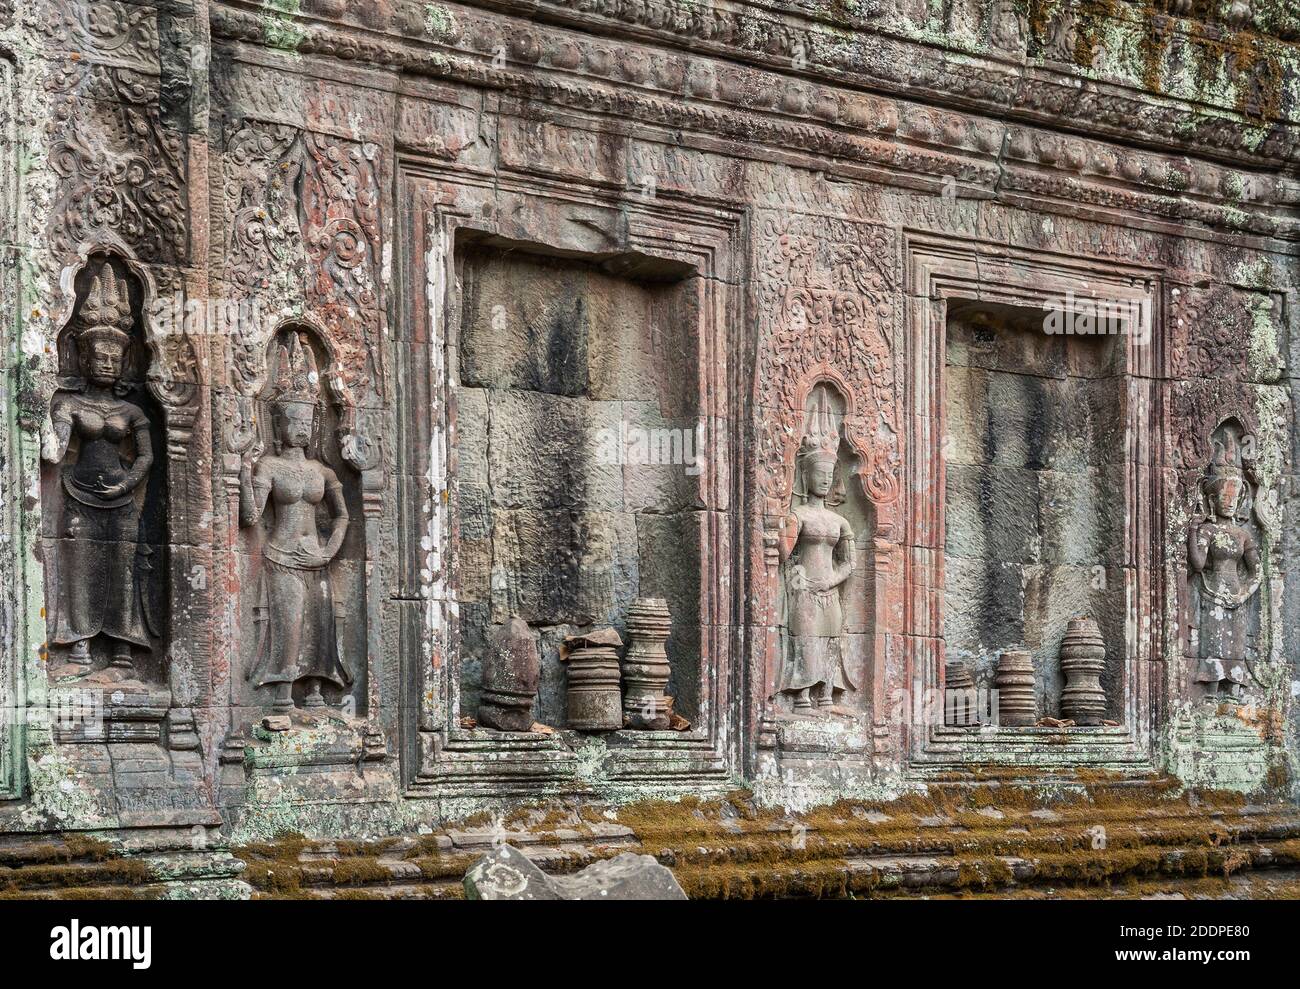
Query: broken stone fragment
<point x="510" y="675"/>
<point x="277" y="722"/>
<point x="507" y="874"/>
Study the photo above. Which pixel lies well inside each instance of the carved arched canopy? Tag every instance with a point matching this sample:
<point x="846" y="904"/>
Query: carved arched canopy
<point x="829" y="317"/>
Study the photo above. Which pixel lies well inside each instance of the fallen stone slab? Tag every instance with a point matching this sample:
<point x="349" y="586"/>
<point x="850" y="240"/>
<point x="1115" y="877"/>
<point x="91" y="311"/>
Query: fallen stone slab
<point x="507" y="874"/>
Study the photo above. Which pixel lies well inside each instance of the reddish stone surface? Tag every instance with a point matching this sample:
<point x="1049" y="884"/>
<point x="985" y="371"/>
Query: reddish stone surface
<point x="576" y="287"/>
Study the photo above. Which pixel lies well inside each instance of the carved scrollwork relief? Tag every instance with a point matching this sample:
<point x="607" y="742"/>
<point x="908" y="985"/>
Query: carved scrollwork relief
<point x="340" y="223"/>
<point x="121" y="176"/>
<point x="263" y="164"/>
<point x="1223" y="332"/>
<point x="832" y="300"/>
<point x="107" y="30"/>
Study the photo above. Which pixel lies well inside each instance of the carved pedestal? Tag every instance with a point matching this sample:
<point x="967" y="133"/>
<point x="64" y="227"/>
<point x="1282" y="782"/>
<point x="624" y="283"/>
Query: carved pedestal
<point x="595" y="702"/>
<point x="1083" y="659"/>
<point x="645" y="666"/>
<point x="1017" y="700"/>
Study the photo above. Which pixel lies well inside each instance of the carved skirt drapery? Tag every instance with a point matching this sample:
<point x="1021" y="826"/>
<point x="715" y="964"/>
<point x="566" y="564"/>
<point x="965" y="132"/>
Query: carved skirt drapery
<point x="814" y="658"/>
<point x="296" y="627"/>
<point x="98" y="580"/>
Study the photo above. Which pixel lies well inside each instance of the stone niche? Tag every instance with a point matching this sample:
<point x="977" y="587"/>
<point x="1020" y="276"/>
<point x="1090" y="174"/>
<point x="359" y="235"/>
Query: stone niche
<point x="106" y="568"/>
<point x="1034" y="493"/>
<point x="578" y="450"/>
<point x="333" y="600"/>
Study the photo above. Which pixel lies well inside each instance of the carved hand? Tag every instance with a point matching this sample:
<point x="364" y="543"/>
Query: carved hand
<point x="799" y="579"/>
<point x="308" y="560"/>
<point x="789" y="535"/>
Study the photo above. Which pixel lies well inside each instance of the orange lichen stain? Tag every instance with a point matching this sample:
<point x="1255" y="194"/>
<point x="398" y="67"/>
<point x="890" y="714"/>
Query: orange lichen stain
<point x="1268" y="722"/>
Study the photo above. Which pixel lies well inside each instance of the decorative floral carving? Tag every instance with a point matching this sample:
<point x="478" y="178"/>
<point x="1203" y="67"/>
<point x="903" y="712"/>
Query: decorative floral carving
<point x="263" y="162"/>
<point x="103" y="30"/>
<point x="832" y="292"/>
<point x="122" y="177"/>
<point x="340" y="227"/>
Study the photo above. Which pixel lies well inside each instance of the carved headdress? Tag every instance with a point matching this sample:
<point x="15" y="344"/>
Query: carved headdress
<point x="821" y="436"/>
<point x="106" y="313"/>
<point x="1227" y="464"/>
<point x="1226" y="460"/>
<point x="296" y="378"/>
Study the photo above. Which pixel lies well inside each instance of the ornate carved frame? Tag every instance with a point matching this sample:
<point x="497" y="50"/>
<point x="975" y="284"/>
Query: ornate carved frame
<point x="580" y="218"/>
<point x="857" y="327"/>
<point x="941" y="269"/>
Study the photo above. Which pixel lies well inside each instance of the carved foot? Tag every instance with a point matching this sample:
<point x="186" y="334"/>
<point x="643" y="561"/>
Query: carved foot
<point x="76" y="665"/>
<point x="314" y="699"/>
<point x="69" y="671"/>
<point x="112" y="674"/>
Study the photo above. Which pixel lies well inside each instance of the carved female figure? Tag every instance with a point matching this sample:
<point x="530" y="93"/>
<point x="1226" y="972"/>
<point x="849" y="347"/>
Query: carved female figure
<point x="1224" y="554"/>
<point x="295" y="612"/>
<point x="98" y="582"/>
<point x="816" y="545"/>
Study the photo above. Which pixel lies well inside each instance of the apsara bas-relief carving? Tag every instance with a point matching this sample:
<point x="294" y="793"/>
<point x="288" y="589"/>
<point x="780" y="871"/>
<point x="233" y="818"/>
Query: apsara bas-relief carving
<point x="297" y="611"/>
<point x="102" y="447"/>
<point x="816" y="546"/>
<point x="828" y="405"/>
<point x="1223" y="555"/>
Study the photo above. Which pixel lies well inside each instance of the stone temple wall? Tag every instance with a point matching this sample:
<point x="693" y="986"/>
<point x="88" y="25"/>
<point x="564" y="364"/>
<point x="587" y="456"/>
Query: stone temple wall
<point x="875" y="339"/>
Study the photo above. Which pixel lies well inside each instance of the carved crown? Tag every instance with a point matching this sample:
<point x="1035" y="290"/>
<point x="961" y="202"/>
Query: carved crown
<point x="821" y="437"/>
<point x="819" y="448"/>
<point x="1227" y="459"/>
<point x="296" y="377"/>
<point x="106" y="313"/>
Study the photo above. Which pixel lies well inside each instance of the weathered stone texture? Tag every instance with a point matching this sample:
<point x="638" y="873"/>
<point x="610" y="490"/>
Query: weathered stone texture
<point x="747" y="307"/>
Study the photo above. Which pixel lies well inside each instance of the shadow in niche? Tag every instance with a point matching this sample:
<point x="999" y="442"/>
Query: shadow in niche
<point x="578" y="454"/>
<point x="106" y="567"/>
<point x="1034" y="494"/>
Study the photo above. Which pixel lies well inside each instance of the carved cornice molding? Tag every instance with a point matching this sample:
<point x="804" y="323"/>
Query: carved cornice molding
<point x="994" y="77"/>
<point x="961" y="151"/>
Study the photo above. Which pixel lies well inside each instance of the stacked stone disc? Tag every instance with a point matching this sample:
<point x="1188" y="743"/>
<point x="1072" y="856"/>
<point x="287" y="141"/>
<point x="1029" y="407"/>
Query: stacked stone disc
<point x="645" y="665"/>
<point x="595" y="700"/>
<point x="960" y="708"/>
<point x="1083" y="660"/>
<point x="1017" y="698"/>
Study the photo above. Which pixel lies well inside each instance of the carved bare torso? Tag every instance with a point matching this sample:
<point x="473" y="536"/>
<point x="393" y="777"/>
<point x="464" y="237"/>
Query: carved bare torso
<point x="296" y="488"/>
<point x="1226" y="547"/>
<point x="101" y="477"/>
<point x="815" y="577"/>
